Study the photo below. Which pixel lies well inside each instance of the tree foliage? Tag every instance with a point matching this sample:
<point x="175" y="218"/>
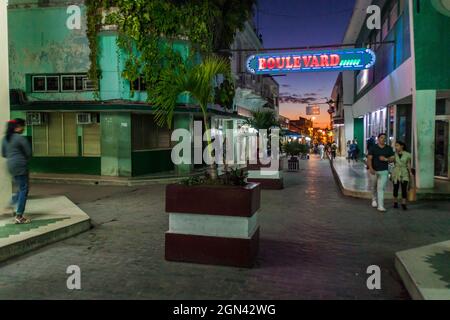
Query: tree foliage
<point x="150" y="31"/>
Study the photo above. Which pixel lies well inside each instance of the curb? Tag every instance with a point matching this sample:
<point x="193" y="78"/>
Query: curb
<point x="42" y="240"/>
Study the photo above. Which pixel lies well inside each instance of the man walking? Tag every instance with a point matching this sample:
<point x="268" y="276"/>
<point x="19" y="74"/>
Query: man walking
<point x="378" y="161"/>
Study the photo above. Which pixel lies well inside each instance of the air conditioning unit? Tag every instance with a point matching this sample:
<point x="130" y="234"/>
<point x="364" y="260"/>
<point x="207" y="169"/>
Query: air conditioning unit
<point x="84" y="118"/>
<point x="36" y="118"/>
<point x="89" y="85"/>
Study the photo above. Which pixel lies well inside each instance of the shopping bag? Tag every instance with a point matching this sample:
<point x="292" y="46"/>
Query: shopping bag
<point x="412" y="192"/>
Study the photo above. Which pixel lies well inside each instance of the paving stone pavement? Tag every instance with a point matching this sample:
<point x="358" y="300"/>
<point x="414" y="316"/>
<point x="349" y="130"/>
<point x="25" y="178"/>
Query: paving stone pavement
<point x="315" y="244"/>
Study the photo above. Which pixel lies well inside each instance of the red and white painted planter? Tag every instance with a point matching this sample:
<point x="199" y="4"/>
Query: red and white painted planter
<point x="269" y="179"/>
<point x="215" y="225"/>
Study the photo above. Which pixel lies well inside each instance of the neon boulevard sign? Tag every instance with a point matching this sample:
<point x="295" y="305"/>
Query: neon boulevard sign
<point x="311" y="61"/>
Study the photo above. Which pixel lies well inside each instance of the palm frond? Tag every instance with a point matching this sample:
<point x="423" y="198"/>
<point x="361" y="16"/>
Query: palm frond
<point x="196" y="80"/>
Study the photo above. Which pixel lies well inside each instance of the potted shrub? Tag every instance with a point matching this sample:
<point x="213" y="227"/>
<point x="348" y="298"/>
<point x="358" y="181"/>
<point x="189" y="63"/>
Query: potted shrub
<point x="293" y="149"/>
<point x="212" y="220"/>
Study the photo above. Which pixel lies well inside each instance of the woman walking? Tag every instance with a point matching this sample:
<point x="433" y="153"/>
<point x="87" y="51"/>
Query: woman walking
<point x="17" y="151"/>
<point x="401" y="173"/>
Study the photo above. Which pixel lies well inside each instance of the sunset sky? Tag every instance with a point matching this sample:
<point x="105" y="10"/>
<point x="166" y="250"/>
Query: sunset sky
<point x="298" y="23"/>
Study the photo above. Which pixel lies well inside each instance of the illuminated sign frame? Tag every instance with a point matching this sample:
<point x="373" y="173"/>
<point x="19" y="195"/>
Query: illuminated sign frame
<point x="311" y="61"/>
<point x="441" y="7"/>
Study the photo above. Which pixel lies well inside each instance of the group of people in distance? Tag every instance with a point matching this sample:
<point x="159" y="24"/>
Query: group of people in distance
<point x="352" y="151"/>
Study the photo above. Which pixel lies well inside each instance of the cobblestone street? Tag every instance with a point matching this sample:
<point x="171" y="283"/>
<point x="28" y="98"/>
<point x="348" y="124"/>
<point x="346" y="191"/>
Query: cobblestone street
<point x="315" y="244"/>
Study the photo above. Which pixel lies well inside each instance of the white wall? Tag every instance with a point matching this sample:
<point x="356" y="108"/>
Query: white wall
<point x="349" y="123"/>
<point x="397" y="86"/>
<point x="5" y="184"/>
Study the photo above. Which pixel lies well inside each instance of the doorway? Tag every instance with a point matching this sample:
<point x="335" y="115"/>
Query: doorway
<point x="441" y="153"/>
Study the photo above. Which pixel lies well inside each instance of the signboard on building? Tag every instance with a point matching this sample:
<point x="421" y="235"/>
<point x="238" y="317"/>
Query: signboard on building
<point x="311" y="61"/>
<point x="313" y="110"/>
<point x="362" y="80"/>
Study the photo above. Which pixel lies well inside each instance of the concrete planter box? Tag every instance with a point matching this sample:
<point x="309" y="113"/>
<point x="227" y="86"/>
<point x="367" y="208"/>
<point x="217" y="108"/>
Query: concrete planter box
<point x="215" y="225"/>
<point x="269" y="180"/>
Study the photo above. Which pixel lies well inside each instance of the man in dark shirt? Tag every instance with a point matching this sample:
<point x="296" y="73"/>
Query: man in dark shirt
<point x="378" y="161"/>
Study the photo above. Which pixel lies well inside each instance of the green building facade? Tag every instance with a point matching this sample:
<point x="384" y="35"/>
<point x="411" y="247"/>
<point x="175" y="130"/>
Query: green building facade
<point x="407" y="93"/>
<point x="71" y="129"/>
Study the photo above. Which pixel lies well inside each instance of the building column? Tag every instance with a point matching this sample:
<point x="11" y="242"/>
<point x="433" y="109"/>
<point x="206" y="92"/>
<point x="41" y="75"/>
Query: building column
<point x="116" y="144"/>
<point x="424" y="124"/>
<point x="349" y="123"/>
<point x="185" y="121"/>
<point x="5" y="181"/>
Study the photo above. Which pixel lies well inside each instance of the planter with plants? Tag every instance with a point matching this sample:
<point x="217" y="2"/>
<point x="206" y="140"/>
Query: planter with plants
<point x="293" y="149"/>
<point x="212" y="219"/>
<point x="259" y="172"/>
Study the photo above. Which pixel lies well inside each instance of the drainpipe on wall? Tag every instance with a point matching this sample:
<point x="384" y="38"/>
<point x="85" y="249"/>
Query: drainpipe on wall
<point x="5" y="181"/>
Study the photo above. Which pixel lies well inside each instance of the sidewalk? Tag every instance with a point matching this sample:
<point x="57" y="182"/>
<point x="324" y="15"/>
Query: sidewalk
<point x="53" y="219"/>
<point x="159" y="178"/>
<point x="354" y="180"/>
<point x="144" y="180"/>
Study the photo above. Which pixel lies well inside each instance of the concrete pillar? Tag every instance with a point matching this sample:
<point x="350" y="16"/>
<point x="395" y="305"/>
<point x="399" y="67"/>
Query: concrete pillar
<point x="185" y="121"/>
<point x="116" y="144"/>
<point x="424" y="124"/>
<point x="5" y="182"/>
<point x="349" y="123"/>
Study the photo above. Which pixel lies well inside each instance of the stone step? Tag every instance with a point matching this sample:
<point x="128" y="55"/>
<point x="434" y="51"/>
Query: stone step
<point x="53" y="219"/>
<point x="425" y="271"/>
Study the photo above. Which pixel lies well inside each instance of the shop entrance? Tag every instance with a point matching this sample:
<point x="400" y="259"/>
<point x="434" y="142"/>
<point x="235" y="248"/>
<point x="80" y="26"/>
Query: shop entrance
<point x="442" y="145"/>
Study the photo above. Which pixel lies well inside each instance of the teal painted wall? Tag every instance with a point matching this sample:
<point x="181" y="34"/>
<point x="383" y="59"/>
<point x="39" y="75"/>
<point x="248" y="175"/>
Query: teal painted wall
<point x="112" y="62"/>
<point x="116" y="144"/>
<point x="66" y="165"/>
<point x="147" y="162"/>
<point x="358" y="129"/>
<point x="40" y="42"/>
<point x="432" y="47"/>
<point x="184" y="121"/>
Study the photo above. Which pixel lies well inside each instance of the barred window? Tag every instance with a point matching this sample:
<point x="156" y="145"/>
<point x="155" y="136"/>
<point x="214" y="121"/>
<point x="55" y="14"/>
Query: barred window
<point x="57" y="136"/>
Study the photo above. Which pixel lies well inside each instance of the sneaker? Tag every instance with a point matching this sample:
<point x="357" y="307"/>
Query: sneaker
<point x="22" y="220"/>
<point x="374" y="204"/>
<point x="395" y="205"/>
<point x="404" y="207"/>
<point x="381" y="209"/>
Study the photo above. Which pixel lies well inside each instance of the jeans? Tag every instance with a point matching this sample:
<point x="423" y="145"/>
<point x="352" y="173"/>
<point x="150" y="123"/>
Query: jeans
<point x="404" y="185"/>
<point x="20" y="198"/>
<point x="378" y="186"/>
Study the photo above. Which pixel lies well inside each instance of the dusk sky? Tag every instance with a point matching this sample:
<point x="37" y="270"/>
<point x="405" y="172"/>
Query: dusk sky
<point x="296" y="23"/>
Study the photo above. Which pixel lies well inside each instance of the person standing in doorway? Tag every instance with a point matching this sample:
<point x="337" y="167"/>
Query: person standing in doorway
<point x="378" y="161"/>
<point x="349" y="151"/>
<point x="401" y="173"/>
<point x="353" y="151"/>
<point x="16" y="149"/>
<point x="321" y="151"/>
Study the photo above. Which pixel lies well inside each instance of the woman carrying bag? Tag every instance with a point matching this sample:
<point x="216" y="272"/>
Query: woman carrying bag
<point x="401" y="174"/>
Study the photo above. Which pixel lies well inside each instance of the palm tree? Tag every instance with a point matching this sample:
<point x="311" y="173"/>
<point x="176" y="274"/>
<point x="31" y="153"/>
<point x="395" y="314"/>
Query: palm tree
<point x="263" y="120"/>
<point x="194" y="80"/>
